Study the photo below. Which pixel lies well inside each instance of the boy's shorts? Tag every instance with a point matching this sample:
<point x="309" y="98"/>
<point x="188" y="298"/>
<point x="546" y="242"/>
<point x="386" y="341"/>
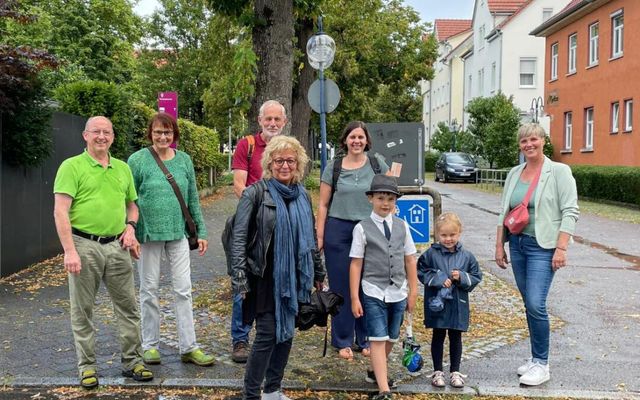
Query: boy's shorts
<point x="383" y="319"/>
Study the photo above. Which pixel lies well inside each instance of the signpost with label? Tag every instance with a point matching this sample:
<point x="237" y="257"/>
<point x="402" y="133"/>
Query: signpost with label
<point x="415" y="211"/>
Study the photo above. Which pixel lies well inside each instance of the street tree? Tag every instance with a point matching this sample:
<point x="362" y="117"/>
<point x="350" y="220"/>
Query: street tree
<point x="494" y="121"/>
<point x="25" y="116"/>
<point x="444" y="139"/>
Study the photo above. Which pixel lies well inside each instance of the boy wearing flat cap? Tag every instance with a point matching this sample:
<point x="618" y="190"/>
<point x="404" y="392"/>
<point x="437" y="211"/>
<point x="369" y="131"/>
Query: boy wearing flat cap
<point x="383" y="265"/>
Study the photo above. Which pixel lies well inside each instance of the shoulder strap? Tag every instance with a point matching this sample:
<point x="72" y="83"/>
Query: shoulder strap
<point x="251" y="141"/>
<point x="375" y="165"/>
<point x="337" y="167"/>
<point x="532" y="187"/>
<point x="191" y="225"/>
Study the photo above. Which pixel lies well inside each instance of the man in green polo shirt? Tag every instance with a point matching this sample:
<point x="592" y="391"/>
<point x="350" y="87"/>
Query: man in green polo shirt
<point x="95" y="215"/>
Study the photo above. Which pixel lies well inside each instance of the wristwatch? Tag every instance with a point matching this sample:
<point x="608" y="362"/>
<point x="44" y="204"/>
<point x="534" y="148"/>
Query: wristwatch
<point x="133" y="223"/>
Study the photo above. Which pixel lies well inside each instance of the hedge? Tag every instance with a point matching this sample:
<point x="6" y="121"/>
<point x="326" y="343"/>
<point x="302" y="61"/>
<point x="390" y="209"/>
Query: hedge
<point x="202" y="144"/>
<point x="619" y="184"/>
<point x="430" y="159"/>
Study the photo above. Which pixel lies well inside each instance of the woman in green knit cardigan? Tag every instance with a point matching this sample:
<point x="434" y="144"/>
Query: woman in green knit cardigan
<point x="161" y="230"/>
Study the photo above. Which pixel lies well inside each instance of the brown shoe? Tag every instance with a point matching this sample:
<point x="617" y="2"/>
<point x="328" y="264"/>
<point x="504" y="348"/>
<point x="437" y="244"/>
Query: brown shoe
<point x="240" y="352"/>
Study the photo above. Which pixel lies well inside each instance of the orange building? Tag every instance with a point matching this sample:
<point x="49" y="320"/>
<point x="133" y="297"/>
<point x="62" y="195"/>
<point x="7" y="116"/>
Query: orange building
<point x="591" y="71"/>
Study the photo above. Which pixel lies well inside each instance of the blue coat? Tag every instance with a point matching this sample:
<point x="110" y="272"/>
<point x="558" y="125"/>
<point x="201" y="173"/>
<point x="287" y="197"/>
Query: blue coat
<point x="434" y="268"/>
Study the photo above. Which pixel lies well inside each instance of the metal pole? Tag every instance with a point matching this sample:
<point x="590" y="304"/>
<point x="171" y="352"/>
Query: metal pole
<point x="323" y="115"/>
<point x="229" y="139"/>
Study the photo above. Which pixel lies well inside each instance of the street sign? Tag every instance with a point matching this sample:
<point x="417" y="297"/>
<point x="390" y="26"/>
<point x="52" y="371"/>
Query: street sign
<point x="168" y="103"/>
<point x="331" y="95"/>
<point x="415" y="210"/>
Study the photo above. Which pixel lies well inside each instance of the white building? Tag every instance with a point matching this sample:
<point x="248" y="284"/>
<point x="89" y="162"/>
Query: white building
<point x="443" y="95"/>
<point x="504" y="57"/>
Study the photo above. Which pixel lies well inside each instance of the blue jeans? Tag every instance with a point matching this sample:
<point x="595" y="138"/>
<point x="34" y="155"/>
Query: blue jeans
<point x="267" y="360"/>
<point x="383" y="319"/>
<point x="532" y="270"/>
<point x="239" y="331"/>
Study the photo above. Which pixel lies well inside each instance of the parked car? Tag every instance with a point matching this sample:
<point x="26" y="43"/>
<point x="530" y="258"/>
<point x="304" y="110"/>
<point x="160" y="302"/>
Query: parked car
<point x="456" y="166"/>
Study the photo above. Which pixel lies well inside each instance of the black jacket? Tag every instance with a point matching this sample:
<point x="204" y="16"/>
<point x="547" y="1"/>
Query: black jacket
<point x="253" y="231"/>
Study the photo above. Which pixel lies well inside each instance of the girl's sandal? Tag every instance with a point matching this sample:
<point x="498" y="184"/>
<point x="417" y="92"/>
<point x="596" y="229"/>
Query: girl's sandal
<point x="457" y="380"/>
<point x="437" y="379"/>
<point x="346" y="353"/>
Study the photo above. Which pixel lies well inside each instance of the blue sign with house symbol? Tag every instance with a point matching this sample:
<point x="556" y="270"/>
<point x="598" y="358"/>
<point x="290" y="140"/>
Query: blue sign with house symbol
<point x="416" y="212"/>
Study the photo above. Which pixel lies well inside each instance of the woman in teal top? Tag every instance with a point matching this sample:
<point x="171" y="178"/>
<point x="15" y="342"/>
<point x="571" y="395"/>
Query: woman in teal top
<point x="161" y="229"/>
<point x="541" y="248"/>
<point x="336" y="219"/>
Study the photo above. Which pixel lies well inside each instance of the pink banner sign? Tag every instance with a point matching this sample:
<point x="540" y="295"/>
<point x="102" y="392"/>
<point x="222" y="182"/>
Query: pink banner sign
<point x="168" y="103"/>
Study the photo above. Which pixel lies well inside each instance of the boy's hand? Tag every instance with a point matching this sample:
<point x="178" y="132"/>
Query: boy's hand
<point x="411" y="302"/>
<point x="455" y="275"/>
<point x="447" y="283"/>
<point x="356" y="308"/>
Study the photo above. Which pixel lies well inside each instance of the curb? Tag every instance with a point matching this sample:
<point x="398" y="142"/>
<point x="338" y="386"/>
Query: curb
<point x="236" y="384"/>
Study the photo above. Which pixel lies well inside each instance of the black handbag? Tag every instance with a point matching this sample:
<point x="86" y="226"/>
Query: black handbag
<point x="316" y="312"/>
<point x="191" y="225"/>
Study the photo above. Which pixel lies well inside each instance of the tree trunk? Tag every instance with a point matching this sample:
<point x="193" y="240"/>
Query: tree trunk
<point x="301" y="111"/>
<point x="273" y="45"/>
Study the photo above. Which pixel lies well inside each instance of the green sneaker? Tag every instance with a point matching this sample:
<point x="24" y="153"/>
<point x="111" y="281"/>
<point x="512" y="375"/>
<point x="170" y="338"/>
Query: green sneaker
<point x="198" y="357"/>
<point x="151" y="356"/>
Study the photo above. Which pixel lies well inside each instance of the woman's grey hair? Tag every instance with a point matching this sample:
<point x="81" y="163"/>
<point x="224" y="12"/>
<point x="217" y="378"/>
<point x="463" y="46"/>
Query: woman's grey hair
<point x="531" y="129"/>
<point x="279" y="144"/>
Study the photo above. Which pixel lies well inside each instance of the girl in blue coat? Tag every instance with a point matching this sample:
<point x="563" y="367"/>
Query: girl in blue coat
<point x="448" y="273"/>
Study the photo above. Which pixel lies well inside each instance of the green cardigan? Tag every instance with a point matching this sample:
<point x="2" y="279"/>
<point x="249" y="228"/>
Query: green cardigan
<point x="556" y="202"/>
<point x="160" y="214"/>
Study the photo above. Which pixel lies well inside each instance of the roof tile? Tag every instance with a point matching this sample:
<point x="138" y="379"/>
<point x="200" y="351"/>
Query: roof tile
<point x="505" y="6"/>
<point x="445" y="28"/>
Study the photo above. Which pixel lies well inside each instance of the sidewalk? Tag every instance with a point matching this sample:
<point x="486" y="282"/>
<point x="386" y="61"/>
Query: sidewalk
<point x="594" y="348"/>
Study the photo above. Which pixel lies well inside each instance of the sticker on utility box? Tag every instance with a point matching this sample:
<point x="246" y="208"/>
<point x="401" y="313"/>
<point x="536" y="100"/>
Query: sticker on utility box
<point x="416" y="212"/>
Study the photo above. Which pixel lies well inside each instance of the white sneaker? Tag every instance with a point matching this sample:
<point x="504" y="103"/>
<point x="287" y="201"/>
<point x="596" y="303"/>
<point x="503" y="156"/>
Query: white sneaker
<point x="536" y="375"/>
<point x="525" y="367"/>
<point x="277" y="395"/>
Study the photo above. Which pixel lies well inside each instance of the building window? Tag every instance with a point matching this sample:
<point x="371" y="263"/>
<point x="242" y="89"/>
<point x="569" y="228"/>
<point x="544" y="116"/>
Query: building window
<point x="554" y="61"/>
<point x="527" y="72"/>
<point x="546" y="13"/>
<point x="617" y="36"/>
<point x="588" y="128"/>
<point x="573" y="46"/>
<point x="615" y="116"/>
<point x="482" y="34"/>
<point x="493" y="77"/>
<point x="568" y="130"/>
<point x="470" y="85"/>
<point x="593" y="43"/>
<point x="628" y="115"/>
<point x="481" y="82"/>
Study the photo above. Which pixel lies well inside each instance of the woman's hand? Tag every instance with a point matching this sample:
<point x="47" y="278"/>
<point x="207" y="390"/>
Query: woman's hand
<point x="203" y="245"/>
<point x="501" y="257"/>
<point x="559" y="259"/>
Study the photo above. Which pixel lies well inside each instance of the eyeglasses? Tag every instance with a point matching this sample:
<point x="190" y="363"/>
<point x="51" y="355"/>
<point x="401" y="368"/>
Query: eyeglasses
<point x="279" y="162"/>
<point x="162" y="133"/>
<point x="98" y="132"/>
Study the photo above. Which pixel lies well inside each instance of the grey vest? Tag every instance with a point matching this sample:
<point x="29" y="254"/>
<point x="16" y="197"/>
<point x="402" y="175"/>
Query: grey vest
<point x="384" y="259"/>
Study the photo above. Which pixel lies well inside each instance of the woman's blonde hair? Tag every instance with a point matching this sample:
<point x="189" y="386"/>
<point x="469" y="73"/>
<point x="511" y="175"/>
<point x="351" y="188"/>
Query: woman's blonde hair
<point x="279" y="144"/>
<point x="448" y="218"/>
<point x="531" y="129"/>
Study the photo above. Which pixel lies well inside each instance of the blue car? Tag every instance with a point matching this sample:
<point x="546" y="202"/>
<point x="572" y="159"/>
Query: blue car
<point x="456" y="166"/>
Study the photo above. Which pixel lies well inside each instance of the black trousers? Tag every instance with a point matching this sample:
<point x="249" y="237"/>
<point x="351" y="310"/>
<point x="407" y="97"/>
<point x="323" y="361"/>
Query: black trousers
<point x="267" y="360"/>
<point x="455" y="348"/>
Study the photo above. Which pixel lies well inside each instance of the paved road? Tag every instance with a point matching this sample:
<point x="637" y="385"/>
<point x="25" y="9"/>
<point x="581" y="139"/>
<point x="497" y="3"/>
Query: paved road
<point x="597" y="295"/>
<point x="595" y="354"/>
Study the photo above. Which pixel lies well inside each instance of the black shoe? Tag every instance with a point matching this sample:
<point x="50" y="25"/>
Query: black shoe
<point x="240" y="353"/>
<point x="371" y="378"/>
<point x="382" y="396"/>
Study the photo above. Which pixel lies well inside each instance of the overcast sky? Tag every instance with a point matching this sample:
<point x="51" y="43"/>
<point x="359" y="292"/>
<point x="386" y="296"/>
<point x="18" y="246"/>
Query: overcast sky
<point x="428" y="9"/>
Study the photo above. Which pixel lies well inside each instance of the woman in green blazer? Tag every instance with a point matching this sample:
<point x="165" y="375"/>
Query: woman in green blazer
<point x="541" y="248"/>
